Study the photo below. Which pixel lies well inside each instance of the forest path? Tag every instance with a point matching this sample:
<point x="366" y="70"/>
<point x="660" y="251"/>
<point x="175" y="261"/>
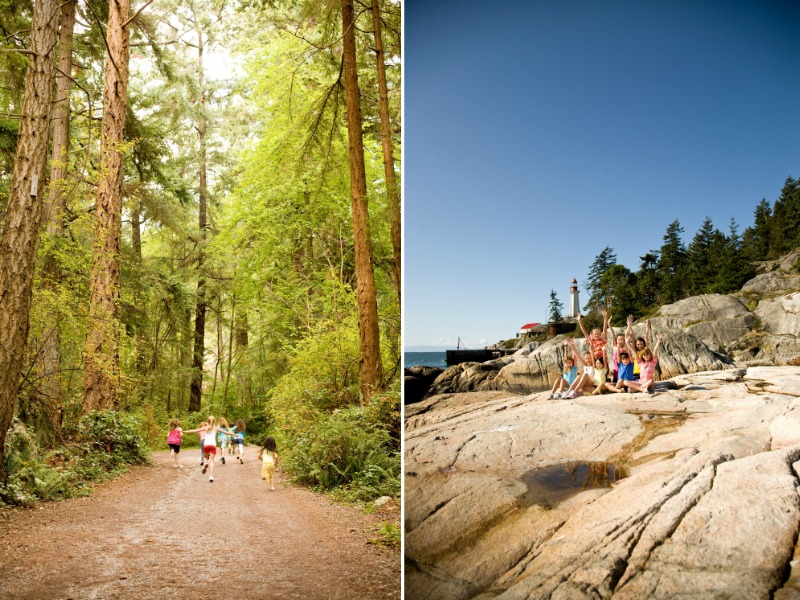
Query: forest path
<point x="160" y="532"/>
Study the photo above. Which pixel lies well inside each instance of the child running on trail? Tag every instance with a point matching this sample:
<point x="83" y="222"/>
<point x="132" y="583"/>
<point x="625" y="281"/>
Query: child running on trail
<point x="566" y="379"/>
<point x="201" y="432"/>
<point x="238" y="437"/>
<point x="222" y="438"/>
<point x="210" y="446"/>
<point x="647" y="366"/>
<point x="269" y="460"/>
<point x="597" y="340"/>
<point x="174" y="441"/>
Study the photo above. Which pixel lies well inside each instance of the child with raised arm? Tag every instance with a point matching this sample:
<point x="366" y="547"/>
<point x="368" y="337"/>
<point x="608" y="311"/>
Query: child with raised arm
<point x="619" y="347"/>
<point x="585" y="381"/>
<point x="641" y="344"/>
<point x="647" y="367"/>
<point x="174" y="441"/>
<point x="209" y="445"/>
<point x="597" y="340"/>
<point x="566" y="379"/>
<point x="269" y="460"/>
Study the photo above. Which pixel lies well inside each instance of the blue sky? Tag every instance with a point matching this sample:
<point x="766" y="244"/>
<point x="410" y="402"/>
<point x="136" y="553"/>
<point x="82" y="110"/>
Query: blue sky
<point x="538" y="133"/>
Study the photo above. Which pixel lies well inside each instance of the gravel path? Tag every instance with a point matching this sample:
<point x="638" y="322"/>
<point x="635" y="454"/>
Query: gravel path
<point x="160" y="532"/>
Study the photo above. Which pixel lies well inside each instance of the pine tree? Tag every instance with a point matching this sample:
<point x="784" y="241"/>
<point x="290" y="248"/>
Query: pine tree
<point x="757" y="238"/>
<point x="785" y="233"/>
<point x="733" y="268"/>
<point x="619" y="284"/>
<point x="701" y="258"/>
<point x="555" y="308"/>
<point x="602" y="263"/>
<point x="648" y="284"/>
<point x="672" y="264"/>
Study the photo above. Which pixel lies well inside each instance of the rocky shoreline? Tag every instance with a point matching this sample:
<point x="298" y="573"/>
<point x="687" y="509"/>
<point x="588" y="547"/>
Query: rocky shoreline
<point x="691" y="492"/>
<point x="707" y="505"/>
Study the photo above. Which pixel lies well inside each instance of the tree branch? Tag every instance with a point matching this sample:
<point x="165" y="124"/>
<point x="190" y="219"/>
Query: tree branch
<point x="145" y="5"/>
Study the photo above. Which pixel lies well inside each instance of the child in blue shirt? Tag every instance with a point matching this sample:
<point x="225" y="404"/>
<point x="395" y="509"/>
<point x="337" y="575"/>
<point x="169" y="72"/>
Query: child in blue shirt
<point x="566" y="379"/>
<point x="625" y="372"/>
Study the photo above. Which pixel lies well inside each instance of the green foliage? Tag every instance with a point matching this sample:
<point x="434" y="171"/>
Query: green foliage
<point x="345" y="451"/>
<point x="388" y="535"/>
<point x="118" y="434"/>
<point x="602" y="263"/>
<point x="555" y="308"/>
<point x="69" y="471"/>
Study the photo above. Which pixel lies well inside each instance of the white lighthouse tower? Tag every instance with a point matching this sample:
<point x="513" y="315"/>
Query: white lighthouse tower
<point x="574" y="303"/>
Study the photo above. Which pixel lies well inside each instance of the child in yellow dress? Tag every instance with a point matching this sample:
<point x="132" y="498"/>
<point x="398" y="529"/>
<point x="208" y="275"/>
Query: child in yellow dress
<point x="269" y="460"/>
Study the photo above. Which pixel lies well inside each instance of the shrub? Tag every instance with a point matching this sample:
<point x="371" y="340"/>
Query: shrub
<point x="119" y="434"/>
<point x="109" y="441"/>
<point x="345" y="452"/>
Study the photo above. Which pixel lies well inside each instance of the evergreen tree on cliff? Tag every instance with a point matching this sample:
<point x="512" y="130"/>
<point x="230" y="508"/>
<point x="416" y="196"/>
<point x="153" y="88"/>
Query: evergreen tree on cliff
<point x="648" y="284"/>
<point x="24" y="212"/>
<point x="618" y="286"/>
<point x="702" y="258"/>
<point x="555" y="308"/>
<point x="785" y="232"/>
<point x="602" y="263"/>
<point x="734" y="268"/>
<point x="672" y="265"/>
<point x="757" y="238"/>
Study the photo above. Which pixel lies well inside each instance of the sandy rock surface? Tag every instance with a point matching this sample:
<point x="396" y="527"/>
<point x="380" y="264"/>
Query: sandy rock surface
<point x="691" y="492"/>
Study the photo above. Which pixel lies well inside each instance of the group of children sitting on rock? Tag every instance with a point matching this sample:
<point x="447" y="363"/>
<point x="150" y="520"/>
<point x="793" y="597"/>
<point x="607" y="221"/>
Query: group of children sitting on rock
<point x="633" y="363"/>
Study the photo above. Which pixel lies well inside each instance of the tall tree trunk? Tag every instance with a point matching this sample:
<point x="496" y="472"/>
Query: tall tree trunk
<point x="47" y="398"/>
<point x="392" y="189"/>
<point x="101" y="354"/>
<point x="196" y="391"/>
<point x="229" y="368"/>
<point x="370" y="368"/>
<point x="24" y="213"/>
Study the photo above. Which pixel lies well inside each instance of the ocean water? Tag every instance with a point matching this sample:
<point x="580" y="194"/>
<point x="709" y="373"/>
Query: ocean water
<point x="425" y="359"/>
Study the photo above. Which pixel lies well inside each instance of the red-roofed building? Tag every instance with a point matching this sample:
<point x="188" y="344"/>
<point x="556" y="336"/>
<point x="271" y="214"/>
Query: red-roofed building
<point x="527" y="328"/>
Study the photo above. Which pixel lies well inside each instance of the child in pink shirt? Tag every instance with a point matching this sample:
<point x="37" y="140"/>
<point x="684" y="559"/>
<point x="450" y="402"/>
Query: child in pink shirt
<point x="647" y="367"/>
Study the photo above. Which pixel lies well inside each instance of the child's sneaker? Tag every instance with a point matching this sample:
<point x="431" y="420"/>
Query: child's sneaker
<point x="223" y="460"/>
<point x="558" y="395"/>
<point x="210" y="480"/>
<point x="550" y="397"/>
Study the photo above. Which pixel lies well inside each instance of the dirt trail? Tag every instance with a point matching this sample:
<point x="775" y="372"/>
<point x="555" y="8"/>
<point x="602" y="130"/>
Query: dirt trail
<point x="160" y="532"/>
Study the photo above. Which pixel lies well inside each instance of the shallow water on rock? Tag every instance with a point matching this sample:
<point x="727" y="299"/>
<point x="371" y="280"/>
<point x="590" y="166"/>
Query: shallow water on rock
<point x="551" y="485"/>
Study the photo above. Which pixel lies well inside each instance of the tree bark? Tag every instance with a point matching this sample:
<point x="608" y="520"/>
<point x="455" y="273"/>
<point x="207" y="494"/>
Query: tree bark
<point x="370" y="368"/>
<point x="47" y="397"/>
<point x="101" y="380"/>
<point x="196" y="389"/>
<point x="392" y="189"/>
<point x="24" y="214"/>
